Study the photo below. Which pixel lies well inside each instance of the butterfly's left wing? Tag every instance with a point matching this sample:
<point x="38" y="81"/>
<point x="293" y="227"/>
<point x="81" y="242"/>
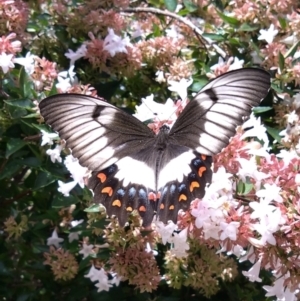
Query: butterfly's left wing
<point x="202" y="130"/>
<point x="116" y="146"/>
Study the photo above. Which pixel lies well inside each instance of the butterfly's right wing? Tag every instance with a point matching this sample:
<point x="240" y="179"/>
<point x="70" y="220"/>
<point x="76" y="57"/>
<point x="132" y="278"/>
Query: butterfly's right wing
<point x="114" y="145"/>
<point x="208" y="122"/>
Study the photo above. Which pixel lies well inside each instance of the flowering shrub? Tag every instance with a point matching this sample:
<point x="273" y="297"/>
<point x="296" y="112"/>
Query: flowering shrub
<point x="241" y="241"/>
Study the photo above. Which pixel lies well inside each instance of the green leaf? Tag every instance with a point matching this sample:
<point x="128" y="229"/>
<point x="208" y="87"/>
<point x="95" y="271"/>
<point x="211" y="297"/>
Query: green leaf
<point x="13" y="145"/>
<point x="198" y="85"/>
<point x="282" y="22"/>
<point x="190" y="6"/>
<point x="228" y="20"/>
<point x="281" y="61"/>
<point x="43" y="179"/>
<point x="60" y="201"/>
<point x="247" y="27"/>
<point x="20" y="103"/>
<point x="259" y="110"/>
<point x="9" y="169"/>
<point x="214" y="36"/>
<point x="94" y="208"/>
<point x="26" y="85"/>
<point x="16" y="112"/>
<point x="292" y="50"/>
<point x="243" y="188"/>
<point x="274" y="133"/>
<point x="170" y="4"/>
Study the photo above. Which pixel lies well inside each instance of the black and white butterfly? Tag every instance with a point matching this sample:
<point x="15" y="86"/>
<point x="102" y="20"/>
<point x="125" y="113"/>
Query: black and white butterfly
<point x="134" y="169"/>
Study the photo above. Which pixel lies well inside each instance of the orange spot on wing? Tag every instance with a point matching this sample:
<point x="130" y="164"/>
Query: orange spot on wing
<point x="102" y="177"/>
<point x="107" y="190"/>
<point x="162" y="206"/>
<point x="203" y="157"/>
<point x="117" y="203"/>
<point x="142" y="209"/>
<point x="182" y="197"/>
<point x="171" y="207"/>
<point x="193" y="185"/>
<point x="129" y="208"/>
<point x="201" y="170"/>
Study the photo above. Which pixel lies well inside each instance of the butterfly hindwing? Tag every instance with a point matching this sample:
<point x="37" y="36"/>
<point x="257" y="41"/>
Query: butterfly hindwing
<point x="118" y="189"/>
<point x="210" y="119"/>
<point x="178" y="194"/>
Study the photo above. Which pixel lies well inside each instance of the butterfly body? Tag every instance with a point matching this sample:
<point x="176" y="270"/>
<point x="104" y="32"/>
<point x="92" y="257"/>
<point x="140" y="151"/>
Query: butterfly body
<point x="134" y="169"/>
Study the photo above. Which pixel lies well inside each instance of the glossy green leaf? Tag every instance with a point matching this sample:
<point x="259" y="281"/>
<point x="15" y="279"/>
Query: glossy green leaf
<point x="258" y="110"/>
<point x="171" y="4"/>
<point x="274" y="133"/>
<point x="228" y="19"/>
<point x="292" y="50"/>
<point x="20" y="103"/>
<point x="190" y="6"/>
<point x="281" y="61"/>
<point x="13" y="145"/>
<point x="214" y="36"/>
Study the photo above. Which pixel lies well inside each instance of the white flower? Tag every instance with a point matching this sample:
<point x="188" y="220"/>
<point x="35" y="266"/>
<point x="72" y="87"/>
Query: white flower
<point x="149" y="250"/>
<point x="101" y="276"/>
<point x="74" y="236"/>
<point x="165" y="231"/>
<point x="27" y="62"/>
<point x="137" y="30"/>
<point x="6" y="62"/>
<point x="149" y="109"/>
<point x="55" y="154"/>
<point x="86" y="250"/>
<point x="173" y="33"/>
<point x="277" y="289"/>
<point x="77" y="171"/>
<point x="116" y="279"/>
<point x="235" y="63"/>
<point x="253" y="273"/>
<point x="180" y="87"/>
<point x="160" y="77"/>
<point x="54" y="240"/>
<point x="180" y="243"/>
<point x="115" y="44"/>
<point x="92" y="274"/>
<point x="229" y="230"/>
<point x="268" y="35"/>
<point x="63" y="84"/>
<point x="255" y="57"/>
<point x="268" y="224"/>
<point x="270" y="193"/>
<point x="65" y="188"/>
<point x="74" y="56"/>
<point x="48" y="138"/>
<point x="249" y="169"/>
<point x="258" y="130"/>
<point x="75" y="223"/>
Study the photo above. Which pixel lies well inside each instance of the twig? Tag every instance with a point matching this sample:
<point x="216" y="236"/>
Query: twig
<point x="185" y="21"/>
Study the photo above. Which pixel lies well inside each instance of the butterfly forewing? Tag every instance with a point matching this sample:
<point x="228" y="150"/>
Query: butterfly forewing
<point x="98" y="133"/>
<point x="133" y="169"/>
<point x="210" y="119"/>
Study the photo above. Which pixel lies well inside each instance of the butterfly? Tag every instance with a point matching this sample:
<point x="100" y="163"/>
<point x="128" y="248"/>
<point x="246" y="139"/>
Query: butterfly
<point x="135" y="169"/>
